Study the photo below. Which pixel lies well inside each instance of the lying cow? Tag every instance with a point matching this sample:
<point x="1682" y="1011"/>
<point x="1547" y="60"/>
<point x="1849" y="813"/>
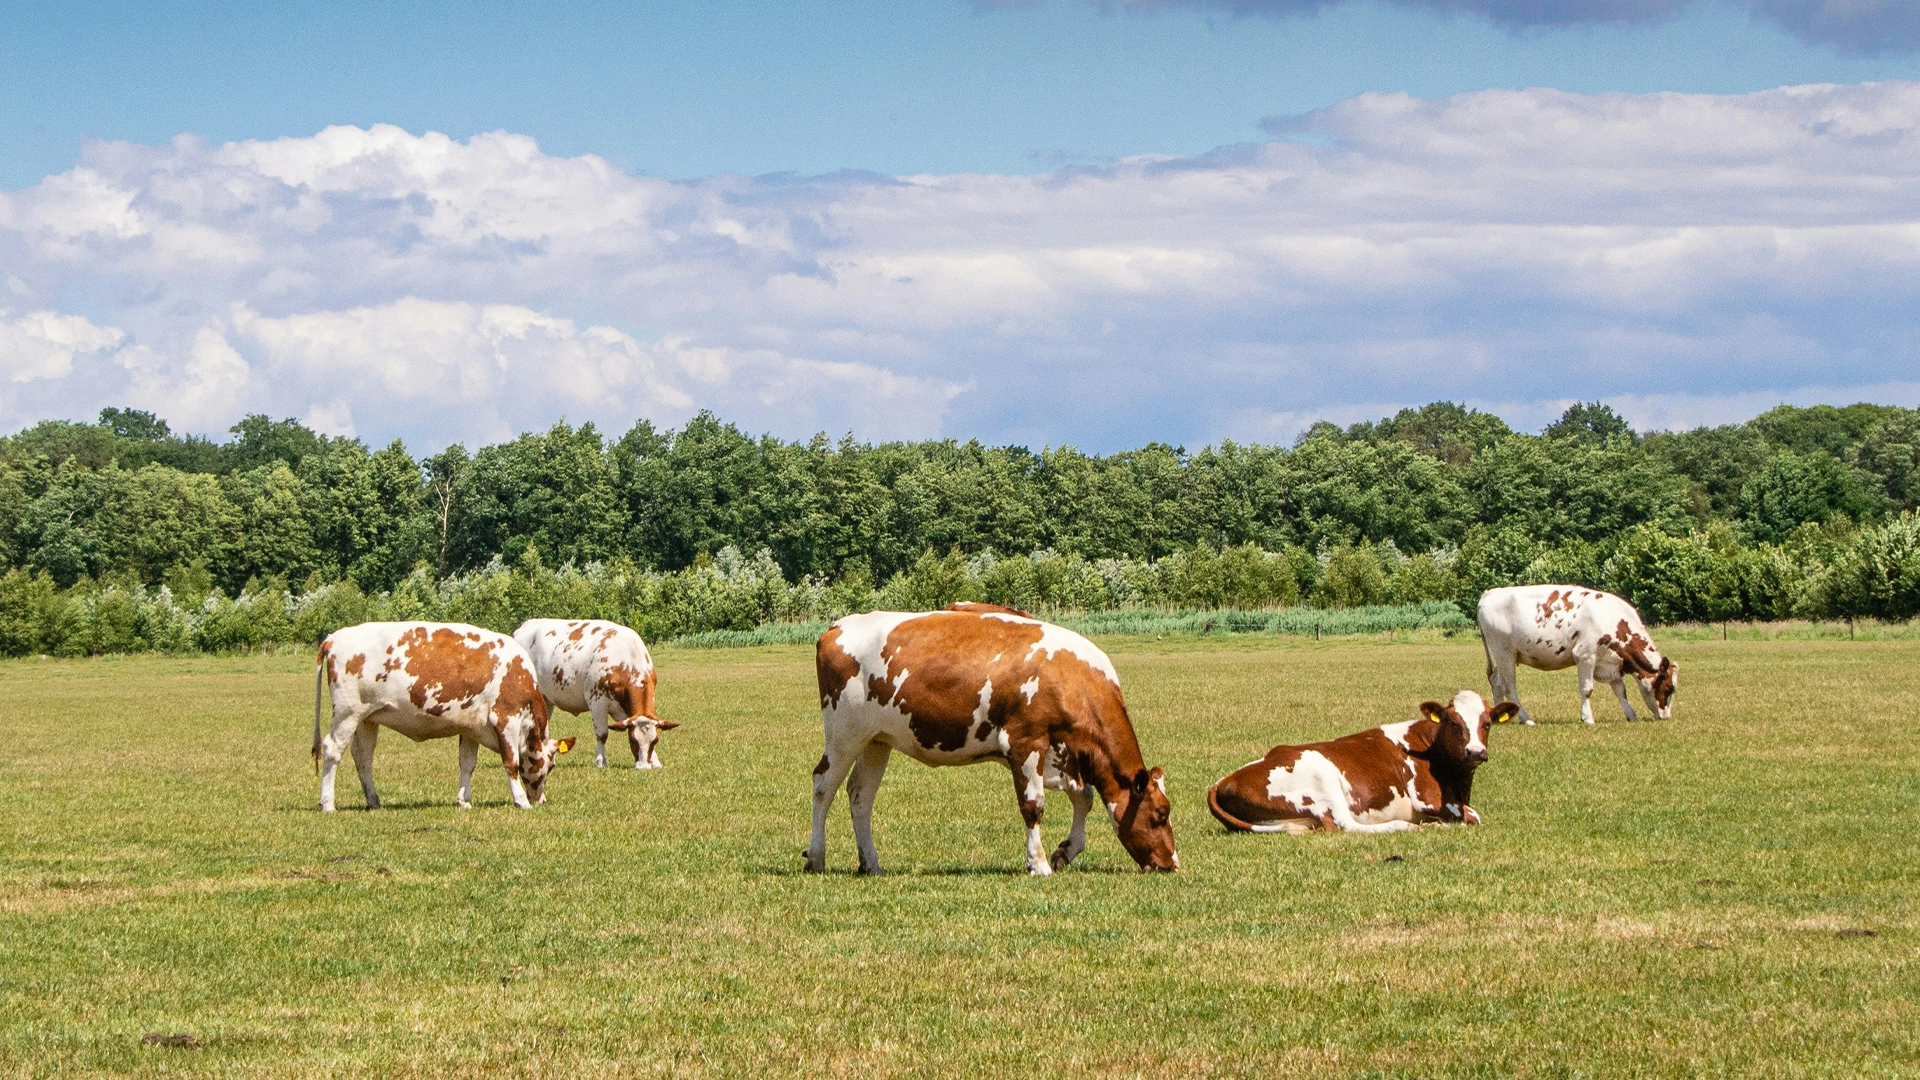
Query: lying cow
<point x="1386" y="779"/>
<point x="1559" y="626"/>
<point x="983" y="683"/>
<point x="603" y="668"/>
<point x="433" y="681"/>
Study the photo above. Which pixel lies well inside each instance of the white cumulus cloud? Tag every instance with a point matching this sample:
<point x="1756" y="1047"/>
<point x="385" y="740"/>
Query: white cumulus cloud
<point x="1519" y="247"/>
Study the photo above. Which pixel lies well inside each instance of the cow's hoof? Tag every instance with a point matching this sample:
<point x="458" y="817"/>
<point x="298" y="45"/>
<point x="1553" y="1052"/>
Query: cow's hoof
<point x="1040" y="870"/>
<point x="1059" y="860"/>
<point x="325" y="809"/>
<point x="464" y="805"/>
<point x="600" y="763"/>
<point x="872" y="871"/>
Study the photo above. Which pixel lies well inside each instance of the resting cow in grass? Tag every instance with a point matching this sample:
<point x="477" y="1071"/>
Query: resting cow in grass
<point x="603" y="668"/>
<point x="1551" y="627"/>
<point x="1386" y="779"/>
<point x="983" y="683"/>
<point x="433" y="681"/>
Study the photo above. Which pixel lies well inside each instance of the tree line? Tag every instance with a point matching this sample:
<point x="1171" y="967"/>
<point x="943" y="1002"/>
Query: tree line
<point x="1797" y="512"/>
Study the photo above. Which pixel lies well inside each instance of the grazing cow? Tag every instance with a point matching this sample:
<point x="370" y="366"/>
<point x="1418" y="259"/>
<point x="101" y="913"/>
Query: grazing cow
<point x="1385" y="779"/>
<point x="433" y="681"/>
<point x="1558" y="626"/>
<point x="978" y="682"/>
<point x="603" y="668"/>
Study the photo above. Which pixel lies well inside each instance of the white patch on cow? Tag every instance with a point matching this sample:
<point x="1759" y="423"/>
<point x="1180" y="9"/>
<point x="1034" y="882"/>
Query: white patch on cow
<point x="1035" y="789"/>
<point x="1161" y="782"/>
<point x="1312" y="780"/>
<point x="1030" y="688"/>
<point x="984" y="708"/>
<point x="1397" y="733"/>
<point x="1472" y="709"/>
<point x="1055" y="639"/>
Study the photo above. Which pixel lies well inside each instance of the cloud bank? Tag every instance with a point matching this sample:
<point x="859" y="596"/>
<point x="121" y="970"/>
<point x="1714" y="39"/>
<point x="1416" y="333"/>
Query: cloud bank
<point x="1681" y="254"/>
<point x="1859" y="27"/>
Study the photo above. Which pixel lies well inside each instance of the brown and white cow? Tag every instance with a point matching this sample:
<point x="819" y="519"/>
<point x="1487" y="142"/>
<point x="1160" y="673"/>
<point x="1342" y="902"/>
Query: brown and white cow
<point x="433" y="681"/>
<point x="977" y="683"/>
<point x="1551" y="627"/>
<point x="1385" y="779"/>
<point x="602" y="668"/>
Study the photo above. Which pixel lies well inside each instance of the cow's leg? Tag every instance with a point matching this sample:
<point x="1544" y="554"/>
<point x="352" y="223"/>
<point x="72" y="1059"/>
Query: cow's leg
<point x="469" y="757"/>
<point x="863" y="783"/>
<point x="1503" y="677"/>
<point x="1620" y="691"/>
<point x="1030" y="787"/>
<point x="1585" y="668"/>
<point x="364" y="738"/>
<point x="836" y="761"/>
<point x="1076" y="841"/>
<point x="510" y="759"/>
<point x="346" y="721"/>
<point x="597" y="706"/>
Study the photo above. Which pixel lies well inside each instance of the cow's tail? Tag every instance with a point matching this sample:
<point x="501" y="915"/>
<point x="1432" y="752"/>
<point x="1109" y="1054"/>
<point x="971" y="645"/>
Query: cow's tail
<point x="319" y="686"/>
<point x="1233" y="824"/>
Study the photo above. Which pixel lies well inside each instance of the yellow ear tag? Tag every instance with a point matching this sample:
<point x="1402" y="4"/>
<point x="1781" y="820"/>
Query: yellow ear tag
<point x="566" y="747"/>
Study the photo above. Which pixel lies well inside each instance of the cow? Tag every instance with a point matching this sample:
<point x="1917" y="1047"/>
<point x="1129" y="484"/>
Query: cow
<point x="603" y="668"/>
<point x="432" y="681"/>
<point x="1558" y="626"/>
<point x="979" y="682"/>
<point x="1384" y="779"/>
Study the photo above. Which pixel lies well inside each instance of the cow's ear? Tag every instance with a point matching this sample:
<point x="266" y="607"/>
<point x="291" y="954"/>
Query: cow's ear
<point x="1433" y="710"/>
<point x="1505" y="711"/>
<point x="666" y="725"/>
<point x="566" y="744"/>
<point x="1140" y="781"/>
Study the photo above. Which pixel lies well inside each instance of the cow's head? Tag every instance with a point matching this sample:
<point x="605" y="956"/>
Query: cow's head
<point x="1464" y="724"/>
<point x="1657" y="681"/>
<point x="1143" y="820"/>
<point x="1660" y="688"/>
<point x="536" y="762"/>
<point x="643" y="733"/>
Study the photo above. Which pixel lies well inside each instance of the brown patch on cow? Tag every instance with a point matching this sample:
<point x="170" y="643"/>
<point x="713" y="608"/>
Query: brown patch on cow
<point x="980" y="733"/>
<point x="519" y="693"/>
<point x="833" y="667"/>
<point x="443" y="666"/>
<point x="355" y="664"/>
<point x="820" y="769"/>
<point x="579" y="629"/>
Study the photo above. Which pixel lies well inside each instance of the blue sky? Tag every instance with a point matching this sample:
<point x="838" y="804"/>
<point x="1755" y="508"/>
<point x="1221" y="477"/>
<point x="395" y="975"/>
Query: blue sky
<point x="903" y="86"/>
<point x="1166" y="219"/>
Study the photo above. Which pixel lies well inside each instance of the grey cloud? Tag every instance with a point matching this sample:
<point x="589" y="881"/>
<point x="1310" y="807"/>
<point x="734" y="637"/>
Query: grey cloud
<point x="1860" y="27"/>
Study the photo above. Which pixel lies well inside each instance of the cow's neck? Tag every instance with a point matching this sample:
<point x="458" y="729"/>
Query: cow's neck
<point x="1454" y="776"/>
<point x="1108" y="762"/>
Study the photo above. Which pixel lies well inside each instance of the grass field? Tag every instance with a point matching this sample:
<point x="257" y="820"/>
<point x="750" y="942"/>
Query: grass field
<point x="1733" y="893"/>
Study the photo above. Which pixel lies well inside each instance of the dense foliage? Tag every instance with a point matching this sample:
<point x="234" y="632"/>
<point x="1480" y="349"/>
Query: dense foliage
<point x="120" y="534"/>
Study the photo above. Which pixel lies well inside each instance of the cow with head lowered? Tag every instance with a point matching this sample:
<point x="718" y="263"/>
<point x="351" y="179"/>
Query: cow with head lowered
<point x="1551" y="627"/>
<point x="432" y="681"/>
<point x="975" y="683"/>
<point x="602" y="668"/>
<point x="1384" y="779"/>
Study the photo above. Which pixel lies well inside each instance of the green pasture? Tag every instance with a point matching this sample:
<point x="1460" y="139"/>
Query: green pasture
<point x="1733" y="893"/>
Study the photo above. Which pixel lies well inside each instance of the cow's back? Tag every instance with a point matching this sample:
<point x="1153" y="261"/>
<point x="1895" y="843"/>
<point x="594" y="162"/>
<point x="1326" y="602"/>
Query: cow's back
<point x="942" y="685"/>
<point x="575" y="659"/>
<point x="433" y="679"/>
